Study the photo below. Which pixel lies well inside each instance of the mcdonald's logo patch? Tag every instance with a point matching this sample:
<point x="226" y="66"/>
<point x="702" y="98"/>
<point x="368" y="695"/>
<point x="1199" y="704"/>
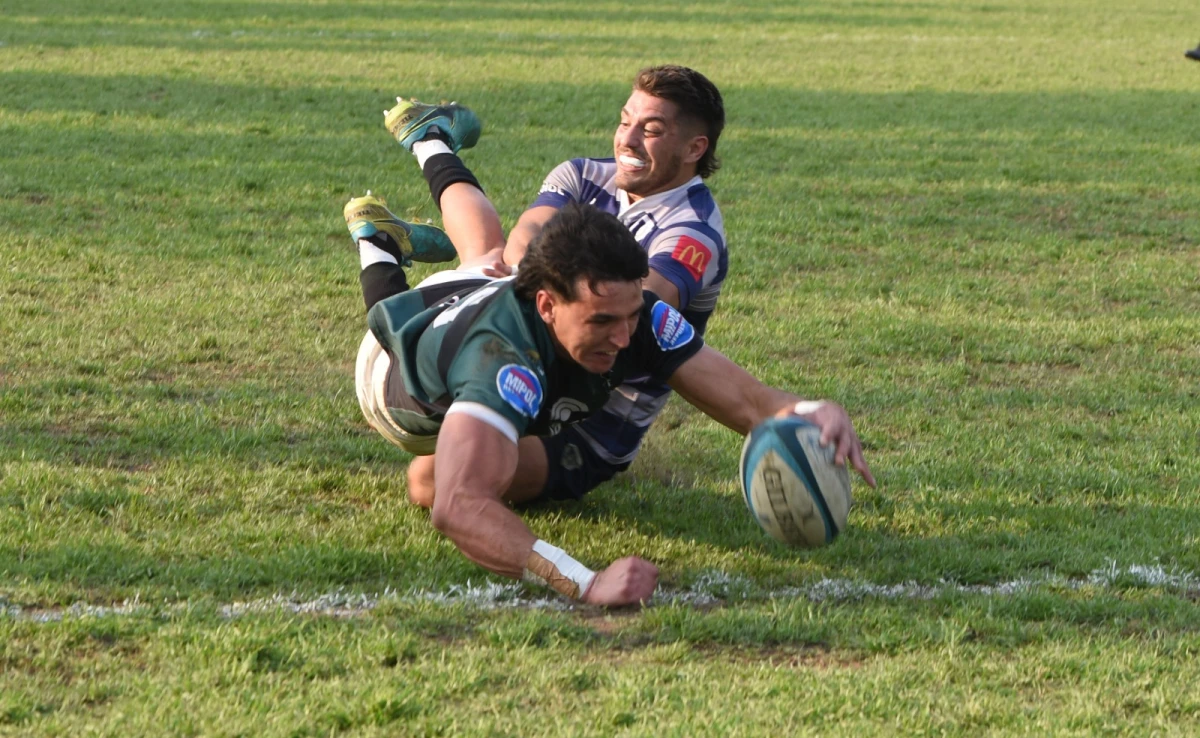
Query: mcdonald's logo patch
<point x="693" y="255"/>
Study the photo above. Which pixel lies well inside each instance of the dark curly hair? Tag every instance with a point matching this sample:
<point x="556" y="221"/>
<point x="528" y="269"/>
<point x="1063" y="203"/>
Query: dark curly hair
<point x="580" y="242"/>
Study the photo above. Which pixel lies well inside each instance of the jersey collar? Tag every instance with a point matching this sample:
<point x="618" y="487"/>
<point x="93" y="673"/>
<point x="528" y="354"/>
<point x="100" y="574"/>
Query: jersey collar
<point x="653" y="201"/>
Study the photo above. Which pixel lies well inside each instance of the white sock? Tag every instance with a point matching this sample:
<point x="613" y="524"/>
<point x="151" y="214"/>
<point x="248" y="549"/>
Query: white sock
<point x="425" y="149"/>
<point x="369" y="253"/>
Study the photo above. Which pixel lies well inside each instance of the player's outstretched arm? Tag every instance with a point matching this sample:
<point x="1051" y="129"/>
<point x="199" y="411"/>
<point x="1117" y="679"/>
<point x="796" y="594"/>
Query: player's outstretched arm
<point x="730" y="395"/>
<point x="474" y="465"/>
<point x="528" y="225"/>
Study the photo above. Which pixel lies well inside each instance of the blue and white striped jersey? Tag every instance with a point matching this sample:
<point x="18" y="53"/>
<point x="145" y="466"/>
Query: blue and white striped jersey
<point x="684" y="236"/>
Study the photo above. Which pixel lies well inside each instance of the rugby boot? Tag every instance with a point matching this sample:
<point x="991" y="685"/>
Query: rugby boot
<point x="368" y="217"/>
<point x="411" y="120"/>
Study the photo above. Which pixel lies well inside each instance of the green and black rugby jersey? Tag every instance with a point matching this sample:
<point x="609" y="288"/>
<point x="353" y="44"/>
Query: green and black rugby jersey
<point x="485" y="345"/>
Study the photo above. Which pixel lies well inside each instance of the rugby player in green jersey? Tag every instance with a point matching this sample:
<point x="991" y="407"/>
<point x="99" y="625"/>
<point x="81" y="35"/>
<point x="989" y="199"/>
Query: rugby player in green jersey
<point x="457" y="369"/>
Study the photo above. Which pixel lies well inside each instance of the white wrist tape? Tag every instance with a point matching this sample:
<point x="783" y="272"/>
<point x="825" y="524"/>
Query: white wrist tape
<point x="807" y="407"/>
<point x="554" y="568"/>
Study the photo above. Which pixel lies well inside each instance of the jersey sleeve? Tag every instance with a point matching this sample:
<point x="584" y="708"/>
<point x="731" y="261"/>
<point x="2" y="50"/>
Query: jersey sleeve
<point x="688" y="258"/>
<point x="562" y="185"/>
<point x="664" y="339"/>
<point x="491" y="372"/>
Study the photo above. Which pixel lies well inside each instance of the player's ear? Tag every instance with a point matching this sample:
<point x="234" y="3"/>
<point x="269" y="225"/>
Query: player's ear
<point x="545" y="301"/>
<point x="696" y="148"/>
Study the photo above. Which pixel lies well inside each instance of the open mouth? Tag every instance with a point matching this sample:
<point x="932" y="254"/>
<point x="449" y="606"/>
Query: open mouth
<point x="632" y="162"/>
<point x="604" y="358"/>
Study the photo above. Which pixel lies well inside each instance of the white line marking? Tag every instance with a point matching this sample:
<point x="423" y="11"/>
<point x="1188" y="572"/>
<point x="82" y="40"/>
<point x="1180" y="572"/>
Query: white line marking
<point x="710" y="588"/>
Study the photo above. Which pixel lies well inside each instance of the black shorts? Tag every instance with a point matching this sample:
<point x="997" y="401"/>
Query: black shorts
<point x="572" y="468"/>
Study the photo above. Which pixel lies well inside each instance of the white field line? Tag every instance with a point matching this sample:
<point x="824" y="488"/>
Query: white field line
<point x="709" y="589"/>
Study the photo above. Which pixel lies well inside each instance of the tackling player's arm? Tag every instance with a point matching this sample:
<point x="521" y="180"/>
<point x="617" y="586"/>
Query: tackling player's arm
<point x="562" y="185"/>
<point x="663" y="287"/>
<point x="474" y="465"/>
<point x="528" y="225"/>
<point x="683" y="261"/>
<point x="730" y="395"/>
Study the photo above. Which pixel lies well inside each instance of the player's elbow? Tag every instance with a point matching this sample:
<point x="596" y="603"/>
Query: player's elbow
<point x="440" y="514"/>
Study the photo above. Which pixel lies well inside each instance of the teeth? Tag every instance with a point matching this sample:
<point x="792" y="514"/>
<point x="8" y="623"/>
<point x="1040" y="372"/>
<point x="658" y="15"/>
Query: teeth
<point x="631" y="161"/>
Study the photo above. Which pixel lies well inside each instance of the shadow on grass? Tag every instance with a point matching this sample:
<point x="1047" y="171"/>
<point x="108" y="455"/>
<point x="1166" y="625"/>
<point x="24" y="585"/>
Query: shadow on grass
<point x="998" y="542"/>
<point x="108" y="571"/>
<point x="976" y="542"/>
<point x="135" y="427"/>
<point x="1063" y="541"/>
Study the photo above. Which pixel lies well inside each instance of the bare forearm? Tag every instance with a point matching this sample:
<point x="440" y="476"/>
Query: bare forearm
<point x="473" y="466"/>
<point x="518" y="242"/>
<point x="527" y="227"/>
<point x="766" y="401"/>
<point x="487" y="532"/>
<point x="728" y="393"/>
<point x="731" y="396"/>
<point x="490" y="534"/>
<point x="472" y="469"/>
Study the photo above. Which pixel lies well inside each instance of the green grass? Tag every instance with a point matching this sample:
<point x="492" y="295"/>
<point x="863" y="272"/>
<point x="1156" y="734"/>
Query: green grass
<point x="972" y="224"/>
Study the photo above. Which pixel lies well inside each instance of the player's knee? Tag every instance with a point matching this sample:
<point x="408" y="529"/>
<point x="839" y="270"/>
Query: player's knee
<point x="421" y="496"/>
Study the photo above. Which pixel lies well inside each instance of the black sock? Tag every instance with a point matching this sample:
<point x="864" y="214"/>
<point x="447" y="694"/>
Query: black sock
<point x="443" y="170"/>
<point x="380" y="281"/>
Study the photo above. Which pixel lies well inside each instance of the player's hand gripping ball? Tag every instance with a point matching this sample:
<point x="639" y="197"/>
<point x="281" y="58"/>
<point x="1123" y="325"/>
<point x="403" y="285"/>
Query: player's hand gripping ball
<point x="792" y="487"/>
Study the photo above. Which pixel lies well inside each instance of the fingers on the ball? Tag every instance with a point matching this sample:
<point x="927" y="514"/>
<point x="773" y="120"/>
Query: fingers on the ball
<point x="860" y="464"/>
<point x="845" y="447"/>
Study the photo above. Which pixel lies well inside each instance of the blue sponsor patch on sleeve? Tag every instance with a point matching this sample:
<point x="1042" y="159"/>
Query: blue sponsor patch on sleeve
<point x="671" y="329"/>
<point x="520" y="388"/>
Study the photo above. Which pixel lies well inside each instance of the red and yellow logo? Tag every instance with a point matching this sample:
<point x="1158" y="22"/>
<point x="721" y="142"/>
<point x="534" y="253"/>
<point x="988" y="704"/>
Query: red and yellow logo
<point x="693" y="255"/>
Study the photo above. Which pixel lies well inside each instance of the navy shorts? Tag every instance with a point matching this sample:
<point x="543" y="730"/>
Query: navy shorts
<point x="573" y="468"/>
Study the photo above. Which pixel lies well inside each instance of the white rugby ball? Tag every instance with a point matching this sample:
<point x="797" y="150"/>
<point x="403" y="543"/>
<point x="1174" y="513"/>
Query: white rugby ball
<point x="791" y="485"/>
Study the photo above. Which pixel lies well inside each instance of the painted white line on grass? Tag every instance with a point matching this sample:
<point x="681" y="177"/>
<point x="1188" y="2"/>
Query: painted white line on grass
<point x="710" y="588"/>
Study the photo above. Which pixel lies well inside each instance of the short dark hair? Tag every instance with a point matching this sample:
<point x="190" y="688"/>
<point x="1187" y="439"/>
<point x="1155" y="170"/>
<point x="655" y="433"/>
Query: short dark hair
<point x="696" y="98"/>
<point x="580" y="242"/>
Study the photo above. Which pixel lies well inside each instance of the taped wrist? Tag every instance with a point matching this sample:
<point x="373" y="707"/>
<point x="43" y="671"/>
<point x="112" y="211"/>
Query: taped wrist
<point x="443" y="170"/>
<point x="807" y="407"/>
<point x="553" y="567"/>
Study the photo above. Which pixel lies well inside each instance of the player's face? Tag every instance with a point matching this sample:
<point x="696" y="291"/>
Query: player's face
<point x="592" y="328"/>
<point x="654" y="149"/>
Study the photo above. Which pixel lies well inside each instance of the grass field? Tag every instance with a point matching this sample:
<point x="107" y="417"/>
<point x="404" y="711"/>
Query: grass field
<point x="973" y="224"/>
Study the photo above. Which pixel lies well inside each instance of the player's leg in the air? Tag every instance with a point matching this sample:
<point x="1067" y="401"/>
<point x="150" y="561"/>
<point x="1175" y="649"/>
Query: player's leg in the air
<point x="435" y="134"/>
<point x="368" y="218"/>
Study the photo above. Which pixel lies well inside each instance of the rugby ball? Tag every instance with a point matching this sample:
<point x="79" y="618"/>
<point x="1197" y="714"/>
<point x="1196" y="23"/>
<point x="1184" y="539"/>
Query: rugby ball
<point x="791" y="485"/>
